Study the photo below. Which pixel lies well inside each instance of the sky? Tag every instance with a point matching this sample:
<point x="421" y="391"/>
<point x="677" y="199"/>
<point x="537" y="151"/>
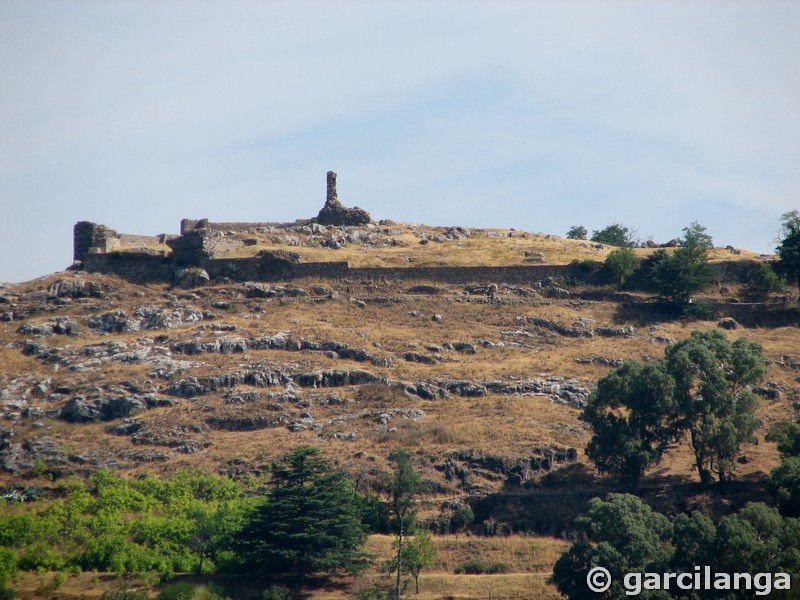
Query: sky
<point x="532" y="115"/>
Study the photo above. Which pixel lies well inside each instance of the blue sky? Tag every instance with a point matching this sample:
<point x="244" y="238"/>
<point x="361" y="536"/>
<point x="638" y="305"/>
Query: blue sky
<point x="534" y="115"/>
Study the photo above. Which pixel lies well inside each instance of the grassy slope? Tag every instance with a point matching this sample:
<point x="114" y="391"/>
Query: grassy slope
<point x="501" y="425"/>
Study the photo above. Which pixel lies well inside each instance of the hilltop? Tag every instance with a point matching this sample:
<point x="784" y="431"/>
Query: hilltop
<point x="475" y="348"/>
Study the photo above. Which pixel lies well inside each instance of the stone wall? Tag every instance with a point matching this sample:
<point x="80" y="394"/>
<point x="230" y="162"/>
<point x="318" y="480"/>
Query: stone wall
<point x="139" y="267"/>
<point x="192" y="224"/>
<point x="87" y="236"/>
<point x="197" y="246"/>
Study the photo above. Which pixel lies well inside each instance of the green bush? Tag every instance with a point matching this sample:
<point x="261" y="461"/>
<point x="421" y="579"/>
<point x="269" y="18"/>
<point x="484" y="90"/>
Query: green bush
<point x="8" y="565"/>
<point x="177" y="591"/>
<point x="40" y="557"/>
<point x="276" y="592"/>
<point x="478" y="567"/>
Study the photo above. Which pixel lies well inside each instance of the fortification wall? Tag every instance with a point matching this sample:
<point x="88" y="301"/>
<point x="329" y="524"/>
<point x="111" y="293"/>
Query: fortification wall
<point x="139" y="267"/>
<point x="191" y="224"/>
<point x="127" y="240"/>
<point x="519" y="275"/>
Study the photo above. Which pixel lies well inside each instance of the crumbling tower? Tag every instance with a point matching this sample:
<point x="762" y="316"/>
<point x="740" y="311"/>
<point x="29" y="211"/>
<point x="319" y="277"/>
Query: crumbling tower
<point x="336" y="213"/>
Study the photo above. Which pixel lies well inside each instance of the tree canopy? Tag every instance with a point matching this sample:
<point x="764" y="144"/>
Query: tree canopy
<point x="789" y="247"/>
<point x="676" y="277"/>
<point x="615" y="235"/>
<point x="700" y="388"/>
<point x="624" y="536"/>
<point x="621" y="264"/>
<point x="577" y="232"/>
<point x="309" y="523"/>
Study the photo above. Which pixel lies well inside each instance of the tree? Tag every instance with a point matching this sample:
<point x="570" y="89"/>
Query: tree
<point x="787" y="436"/>
<point x="716" y="407"/>
<point x="461" y="518"/>
<point x="615" y="235"/>
<point x="418" y="554"/>
<point x="633" y="418"/>
<point x="621" y="534"/>
<point x="621" y="263"/>
<point x="765" y="281"/>
<point x="789" y="247"/>
<point x="686" y="271"/>
<point x="790" y="223"/>
<point x="309" y="523"/>
<point x="577" y="232"/>
<point x="405" y="485"/>
<point x="700" y="387"/>
<point x="784" y="484"/>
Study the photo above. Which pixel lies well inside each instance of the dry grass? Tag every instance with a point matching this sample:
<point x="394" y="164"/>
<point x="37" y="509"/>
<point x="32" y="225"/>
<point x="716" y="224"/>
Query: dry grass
<point x="489" y="247"/>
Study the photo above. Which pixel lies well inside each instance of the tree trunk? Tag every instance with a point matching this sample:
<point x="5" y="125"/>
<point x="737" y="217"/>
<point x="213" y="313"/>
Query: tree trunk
<point x="399" y="560"/>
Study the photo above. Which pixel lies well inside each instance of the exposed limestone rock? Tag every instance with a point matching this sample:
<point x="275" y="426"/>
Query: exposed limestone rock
<point x="599" y="360"/>
<point x="74" y="288"/>
<point x="192" y="277"/>
<point x="335" y="213"/>
<point x="81" y="410"/>
<point x="334" y="378"/>
<point x="146" y="318"/>
<point x="56" y="326"/>
<point x="728" y="323"/>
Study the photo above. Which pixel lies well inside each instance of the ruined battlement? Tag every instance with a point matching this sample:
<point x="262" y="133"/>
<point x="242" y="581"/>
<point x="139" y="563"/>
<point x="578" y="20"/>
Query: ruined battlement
<point x="218" y="251"/>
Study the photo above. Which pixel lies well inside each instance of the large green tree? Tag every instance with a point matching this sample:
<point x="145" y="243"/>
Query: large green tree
<point x="615" y="235"/>
<point x="621" y="534"/>
<point x="633" y="419"/>
<point x="700" y="388"/>
<point x="789" y="247"/>
<point x="309" y="523"/>
<point x="712" y="378"/>
<point x="676" y="277"/>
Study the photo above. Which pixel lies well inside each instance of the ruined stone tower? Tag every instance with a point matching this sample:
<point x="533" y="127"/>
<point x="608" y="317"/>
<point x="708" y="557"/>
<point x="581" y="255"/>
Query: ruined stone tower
<point x="335" y="213"/>
<point x="332" y="195"/>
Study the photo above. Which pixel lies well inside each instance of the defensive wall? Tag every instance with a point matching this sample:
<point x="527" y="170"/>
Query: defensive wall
<point x="148" y="267"/>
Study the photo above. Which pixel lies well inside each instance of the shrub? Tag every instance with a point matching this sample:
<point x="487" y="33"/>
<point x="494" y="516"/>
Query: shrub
<point x="276" y="592"/>
<point x="8" y="565"/>
<point x="478" y="567"/>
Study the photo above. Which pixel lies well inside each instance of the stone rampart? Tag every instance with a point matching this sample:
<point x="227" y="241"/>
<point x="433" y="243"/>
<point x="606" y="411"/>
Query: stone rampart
<point x="139" y="267"/>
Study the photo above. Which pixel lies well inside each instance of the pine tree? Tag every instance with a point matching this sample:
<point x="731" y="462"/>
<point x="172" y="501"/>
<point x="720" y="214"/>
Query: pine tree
<point x="310" y="522"/>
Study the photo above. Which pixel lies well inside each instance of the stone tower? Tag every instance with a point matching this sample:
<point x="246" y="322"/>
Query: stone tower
<point x="335" y="213"/>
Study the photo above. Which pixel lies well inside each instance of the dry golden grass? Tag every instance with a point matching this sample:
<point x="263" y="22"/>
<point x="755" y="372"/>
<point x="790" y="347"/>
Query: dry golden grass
<point x="489" y="247"/>
<point x="497" y="424"/>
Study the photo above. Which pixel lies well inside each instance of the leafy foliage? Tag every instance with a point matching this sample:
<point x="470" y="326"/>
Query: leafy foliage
<point x="676" y="277"/>
<point x="784" y="483"/>
<point x="700" y="387"/>
<point x="126" y="526"/>
<point x="615" y="235"/>
<point x="715" y="405"/>
<point x="405" y="485"/>
<point x="621" y="534"/>
<point x="787" y="435"/>
<point x="765" y="281"/>
<point x="789" y="247"/>
<point x="621" y="263"/>
<point x="624" y="535"/>
<point x="309" y="522"/>
<point x="577" y="232"/>
<point x="632" y="414"/>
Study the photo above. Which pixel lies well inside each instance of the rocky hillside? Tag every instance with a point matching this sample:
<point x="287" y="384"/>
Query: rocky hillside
<point x="484" y="382"/>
